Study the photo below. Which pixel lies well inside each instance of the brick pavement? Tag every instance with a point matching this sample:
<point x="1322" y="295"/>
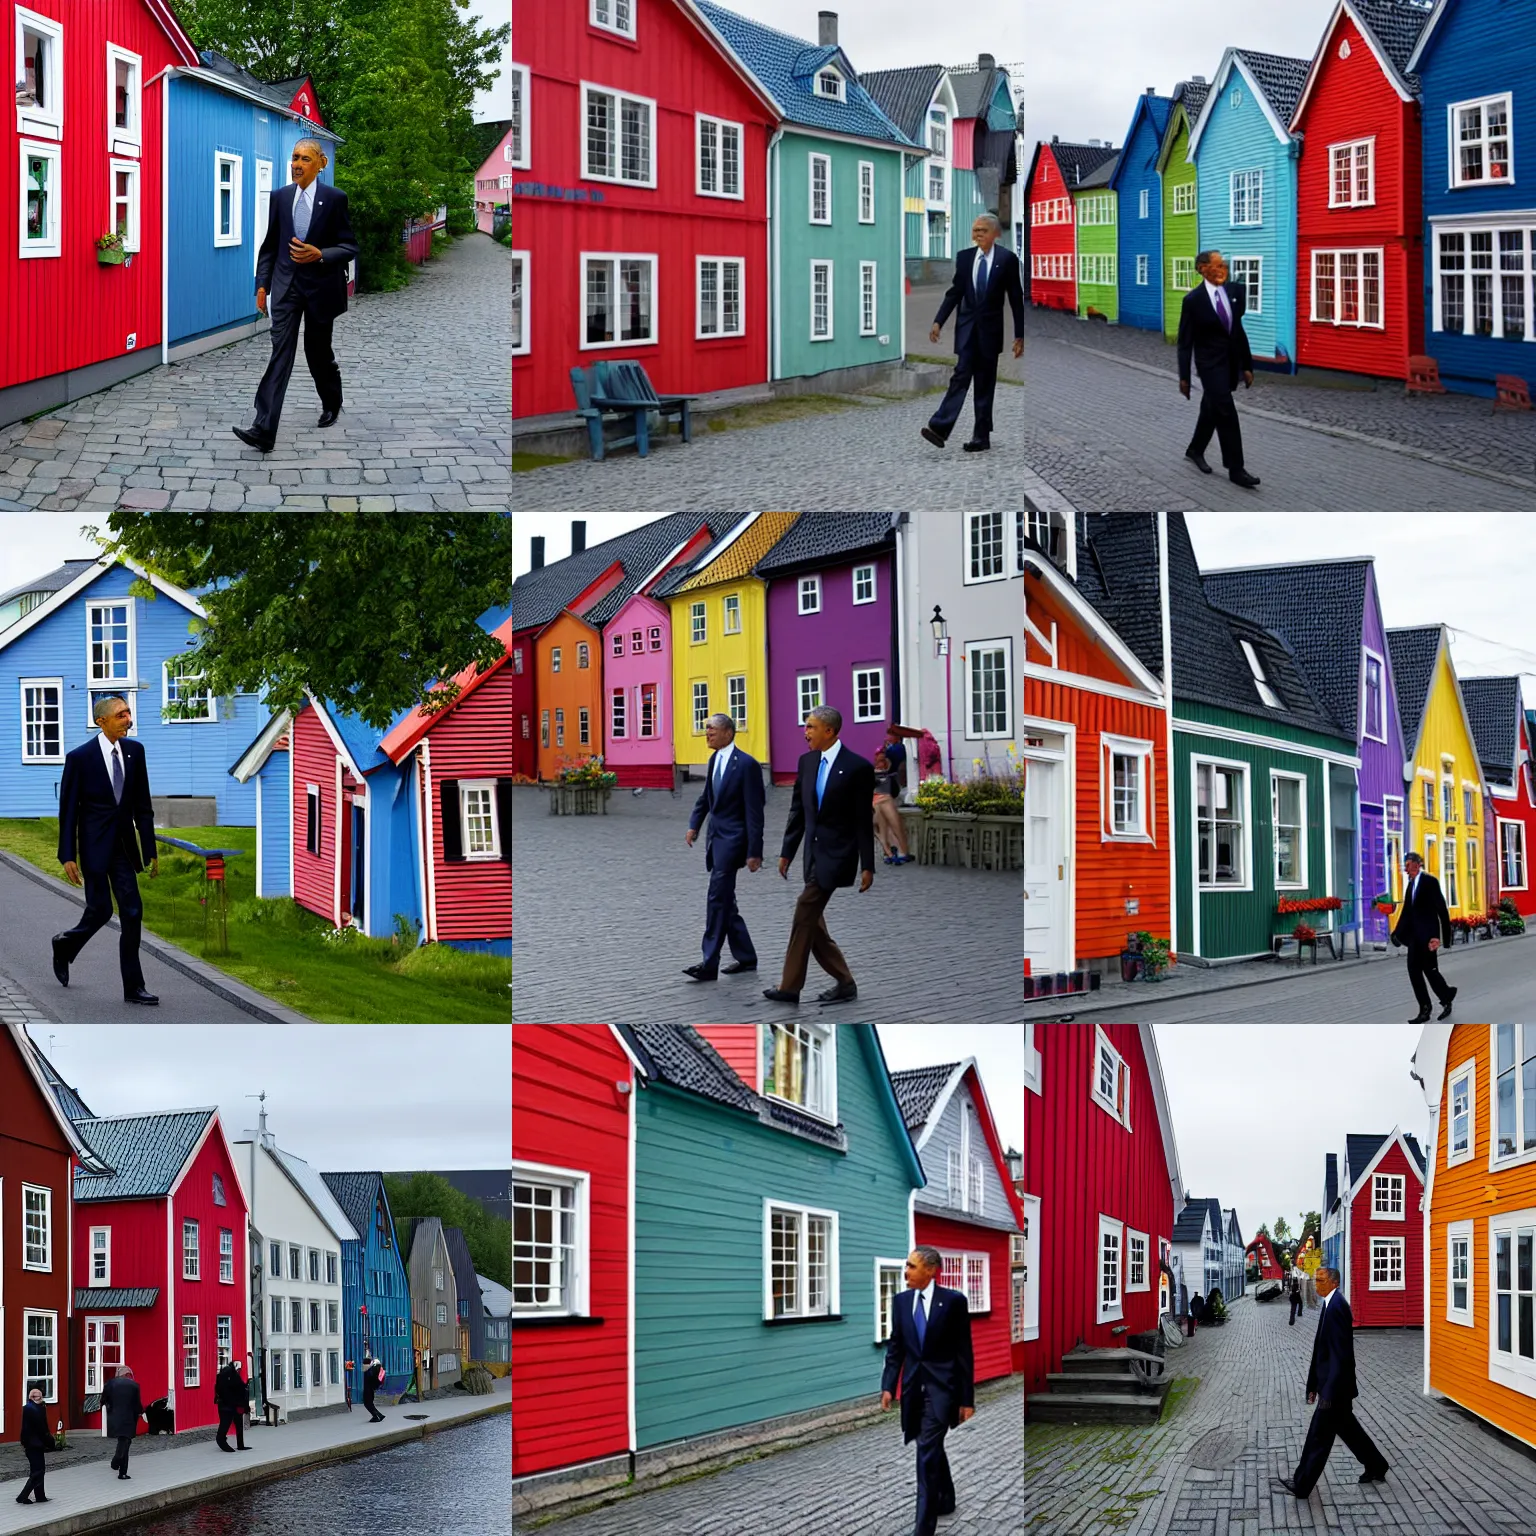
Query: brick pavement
<point x="606" y="910"/>
<point x="860" y="1483"/>
<point x="1205" y="1470"/>
<point x="426" y="424"/>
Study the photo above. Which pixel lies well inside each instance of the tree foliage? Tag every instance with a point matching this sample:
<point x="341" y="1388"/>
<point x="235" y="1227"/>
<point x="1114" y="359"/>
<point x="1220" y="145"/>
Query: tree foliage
<point x="429" y="1194"/>
<point x="1282" y="1230"/>
<point x="1311" y="1226"/>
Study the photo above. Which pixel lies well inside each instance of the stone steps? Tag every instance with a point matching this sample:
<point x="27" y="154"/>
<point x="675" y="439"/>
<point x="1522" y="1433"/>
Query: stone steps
<point x="1094" y="1407"/>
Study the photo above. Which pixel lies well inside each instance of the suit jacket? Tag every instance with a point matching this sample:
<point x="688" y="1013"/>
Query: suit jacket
<point x="122" y="1404"/>
<point x="35" y="1434"/>
<point x="320" y="287"/>
<point x="91" y="822"/>
<point x="840" y="833"/>
<point x="1426" y="917"/>
<point x="1220" y="357"/>
<point x="943" y="1361"/>
<point x="735" y="814"/>
<point x="230" y="1391"/>
<point x="1332" y="1372"/>
<point x="984" y="321"/>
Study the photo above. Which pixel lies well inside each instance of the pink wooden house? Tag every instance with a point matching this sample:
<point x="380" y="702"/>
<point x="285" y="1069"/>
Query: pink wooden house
<point x="493" y="182"/>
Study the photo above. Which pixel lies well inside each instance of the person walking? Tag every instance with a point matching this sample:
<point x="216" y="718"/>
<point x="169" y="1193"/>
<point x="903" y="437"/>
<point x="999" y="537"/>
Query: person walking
<point x="732" y="799"/>
<point x="1211" y="335"/>
<point x="373" y="1379"/>
<point x="1331" y="1385"/>
<point x="929" y="1355"/>
<point x="232" y="1397"/>
<point x="1295" y="1294"/>
<point x="123" y="1406"/>
<point x="1423" y="926"/>
<point x="834" y="791"/>
<point x="36" y="1442"/>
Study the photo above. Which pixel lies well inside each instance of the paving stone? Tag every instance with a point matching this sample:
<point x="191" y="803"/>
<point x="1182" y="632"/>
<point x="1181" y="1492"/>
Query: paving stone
<point x="376" y="504"/>
<point x="191" y="501"/>
<point x="143" y="497"/>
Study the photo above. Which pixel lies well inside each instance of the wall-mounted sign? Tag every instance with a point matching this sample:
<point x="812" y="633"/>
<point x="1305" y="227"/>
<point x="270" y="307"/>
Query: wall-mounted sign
<point x="558" y="194"/>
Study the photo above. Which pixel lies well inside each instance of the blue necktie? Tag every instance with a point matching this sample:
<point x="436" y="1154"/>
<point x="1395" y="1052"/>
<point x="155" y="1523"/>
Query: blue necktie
<point x="301" y="213"/>
<point x="117" y="775"/>
<point x="821" y="782"/>
<point x="981" y="276"/>
<point x="919" y="1321"/>
<point x="719" y="771"/>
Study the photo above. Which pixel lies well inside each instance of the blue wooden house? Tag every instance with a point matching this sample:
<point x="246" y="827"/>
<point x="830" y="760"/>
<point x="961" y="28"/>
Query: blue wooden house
<point x="1245" y="163"/>
<point x="1477" y="68"/>
<point x="1136" y="180"/>
<point x="83" y="634"/>
<point x="376" y="1297"/>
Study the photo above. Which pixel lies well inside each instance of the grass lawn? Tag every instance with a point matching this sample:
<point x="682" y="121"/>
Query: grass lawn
<point x="281" y="950"/>
<point x="523" y="462"/>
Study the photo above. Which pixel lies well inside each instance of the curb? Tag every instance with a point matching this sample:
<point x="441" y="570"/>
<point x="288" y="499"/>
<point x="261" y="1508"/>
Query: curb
<point x="236" y="993"/>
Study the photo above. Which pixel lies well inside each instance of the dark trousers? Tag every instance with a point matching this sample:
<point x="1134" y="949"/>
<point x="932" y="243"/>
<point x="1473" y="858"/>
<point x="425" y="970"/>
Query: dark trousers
<point x="1424" y="966"/>
<point x="285" y="345"/>
<point x="976" y="370"/>
<point x="368" y="1403"/>
<point x="808" y="936"/>
<point x="120" y="1455"/>
<point x="1295" y="1307"/>
<point x="101" y="885"/>
<point x="231" y="1419"/>
<point x="935" y="1486"/>
<point x="723" y="921"/>
<point x="1335" y="1422"/>
<point x="35" y="1469"/>
<point x="1218" y="418"/>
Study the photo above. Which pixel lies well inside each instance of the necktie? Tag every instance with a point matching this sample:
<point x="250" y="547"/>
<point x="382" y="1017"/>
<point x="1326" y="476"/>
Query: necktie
<point x="821" y="782"/>
<point x="719" y="770"/>
<point x="301" y="213"/>
<point x="981" y="275"/>
<point x="919" y="1321"/>
<point x="117" y="775"/>
<point x="1221" y="309"/>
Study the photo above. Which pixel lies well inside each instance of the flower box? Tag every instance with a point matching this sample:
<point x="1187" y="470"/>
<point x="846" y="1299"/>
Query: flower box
<point x="579" y="800"/>
<point x="111" y="256"/>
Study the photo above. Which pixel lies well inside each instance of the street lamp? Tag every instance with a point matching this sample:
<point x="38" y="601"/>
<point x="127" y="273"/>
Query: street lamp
<point x="940" y="626"/>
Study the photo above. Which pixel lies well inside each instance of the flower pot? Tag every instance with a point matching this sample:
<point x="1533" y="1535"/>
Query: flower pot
<point x="112" y="257"/>
<point x="1131" y="964"/>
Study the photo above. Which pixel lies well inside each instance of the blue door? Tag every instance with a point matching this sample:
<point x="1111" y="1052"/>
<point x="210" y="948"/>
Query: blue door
<point x="359" y="862"/>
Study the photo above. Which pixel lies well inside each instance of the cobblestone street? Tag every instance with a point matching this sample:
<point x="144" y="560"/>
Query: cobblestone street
<point x="1205" y="1470"/>
<point x="607" y="910"/>
<point x="425" y="426"/>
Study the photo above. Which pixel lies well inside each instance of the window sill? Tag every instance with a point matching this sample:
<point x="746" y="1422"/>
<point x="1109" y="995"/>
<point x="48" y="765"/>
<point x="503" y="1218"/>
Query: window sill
<point x="789" y="1322"/>
<point x="556" y="1320"/>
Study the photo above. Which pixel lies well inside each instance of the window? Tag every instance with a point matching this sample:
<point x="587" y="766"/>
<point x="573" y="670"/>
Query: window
<point x="821" y="301"/>
<point x="617" y="644"/>
<point x="1480" y="140"/>
<point x="226" y="1256"/>
<point x="189" y="1251"/>
<point x="1498" y="300"/>
<point x="1469" y="805"/>
<point x="1247" y="272"/>
<point x="890" y="1282"/>
<point x="984" y="546"/>
<point x="521" y="331"/>
<point x="583" y="656"/>
<point x="40" y="213"/>
<point x="1474" y="901"/>
<point x="653" y="635"/>
<point x="1515" y="1091"/>
<point x="312" y="806"/>
<point x="124" y="183"/>
<point x="1458" y="1269"/>
<point x="42" y="738"/>
<point x="1221" y="801"/>
<point x="618" y="724"/>
<point x="295" y="1314"/>
<point x="938" y="132"/>
<point x="618" y="300"/>
<point x="1183" y="272"/>
<point x="1448" y="873"/>
<point x="800" y="1251"/>
<point x="700" y="707"/>
<point x="1136" y="1274"/>
<point x="989" y="687"/>
<point x="1431" y="810"/>
<point x="1387" y="1264"/>
<point x="39" y="74"/>
<point x="333" y="1367"/>
<point x="314" y="1317"/>
<point x="275" y="1260"/>
<point x="1374" y="713"/>
<point x="294" y="1259"/>
<point x="1387" y="1196"/>
<point x="799" y="1065"/>
<point x="42" y="1352"/>
<point x="1142" y="263"/>
<point x="720" y="309"/>
<point x="181" y="686"/>
<point x="101" y="1256"/>
<point x="867" y="298"/>
<point x="298" y="1370"/>
<point x="37" y="1220"/>
<point x="1016" y="1311"/>
<point x="620" y="130"/>
<point x="1109" y="1270"/>
<point x="810" y="594"/>
<point x="1352" y="174"/>
<point x="819" y="174"/>
<point x="613" y="16"/>
<point x="1099" y="208"/>
<point x="584" y="727"/>
<point x="830" y="83"/>
<point x="1288" y="806"/>
<point x="1144" y="204"/>
<point x="719" y="157"/>
<point x="1463" y="1114"/>
<point x="223" y="1335"/>
<point x="279" y="1315"/>
<point x="866" y="192"/>
<point x="1184" y="202"/>
<point x="442" y="1313"/>
<point x="1346" y="288"/>
<point x="190" y="1374"/>
<point x="1126" y="767"/>
<point x="110" y="640"/>
<point x="103" y="1350"/>
<point x="1512" y="854"/>
<point x="810" y="688"/>
<point x="314" y="1266"/>
<point x="278" y="1371"/>
<point x="868" y="693"/>
<point x="863" y="584"/>
<point x="1111" y="1086"/>
<point x="1247" y="190"/>
<point x="228" y="171"/>
<point x="549" y="1241"/>
<point x="937" y="172"/>
<point x="333" y="1317"/>
<point x="971" y="1273"/>
<point x="518" y="152"/>
<point x="647" y="709"/>
<point x="736" y="700"/>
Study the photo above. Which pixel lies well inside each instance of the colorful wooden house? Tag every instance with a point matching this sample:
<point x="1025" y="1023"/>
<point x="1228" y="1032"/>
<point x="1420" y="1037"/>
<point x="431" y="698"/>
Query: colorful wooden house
<point x="1359" y="194"/>
<point x="1373" y="1230"/>
<point x="1263" y="1264"/>
<point x="1096" y="767"/>
<point x="968" y="1209"/>
<point x="1139" y="232"/>
<point x="1442" y="777"/>
<point x="1496" y="713"/>
<point x="1055" y="170"/>
<point x="1476" y="66"/>
<point x="831" y="632"/>
<point x="1180" y="189"/>
<point x="1101" y="1178"/>
<point x="836" y="169"/>
<point x="1095" y="214"/>
<point x="985" y="146"/>
<point x="1245" y="159"/>
<point x="568" y="656"/>
<point x="435" y="1285"/>
<point x="493" y="194"/>
<point x="1329" y="614"/>
<point x="920" y="101"/>
<point x="1199" y="1241"/>
<point x="643" y="201"/>
<point x="470" y="1307"/>
<point x="1234" y="1265"/>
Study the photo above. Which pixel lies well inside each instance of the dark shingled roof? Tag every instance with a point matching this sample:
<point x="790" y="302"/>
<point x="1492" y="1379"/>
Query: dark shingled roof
<point x="355" y="1194"/>
<point x="115" y="1298"/>
<point x="1102" y="176"/>
<point x="918" y="1090"/>
<point x="679" y="1055"/>
<point x="51" y="581"/>
<point x="827" y="538"/>
<point x="74" y="1107"/>
<point x="1279" y="77"/>
<point x="1079" y="160"/>
<point x="1191" y="1221"/>
<point x="1192" y="94"/>
<point x="279" y="93"/>
<point x="904" y="94"/>
<point x="1417" y="1151"/>
<point x="1493" y="711"/>
<point x="145" y="1152"/>
<point x="1330" y="1182"/>
<point x="1358" y="1151"/>
<point x="1396" y="25"/>
<point x="1413" y="669"/>
<point x="974" y="88"/>
<point x="1157" y="110"/>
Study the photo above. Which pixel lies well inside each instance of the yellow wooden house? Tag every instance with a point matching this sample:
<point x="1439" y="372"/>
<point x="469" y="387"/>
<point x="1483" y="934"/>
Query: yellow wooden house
<point x="1442" y="779"/>
<point x="719" y="615"/>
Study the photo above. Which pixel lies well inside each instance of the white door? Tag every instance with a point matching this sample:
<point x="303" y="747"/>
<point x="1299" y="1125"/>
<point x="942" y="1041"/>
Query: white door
<point x="1045" y="867"/>
<point x="263" y="205"/>
<point x="1031" y="1266"/>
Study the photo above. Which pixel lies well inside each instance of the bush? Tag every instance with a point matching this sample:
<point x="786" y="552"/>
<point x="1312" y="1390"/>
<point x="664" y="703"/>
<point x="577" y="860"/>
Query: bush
<point x="983" y="795"/>
<point x="477" y="1380"/>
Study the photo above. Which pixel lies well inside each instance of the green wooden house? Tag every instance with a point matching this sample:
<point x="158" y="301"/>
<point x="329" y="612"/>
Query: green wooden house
<point x="1180" y="197"/>
<point x="1096" y="210"/>
<point x="920" y="100"/>
<point x="773" y="1184"/>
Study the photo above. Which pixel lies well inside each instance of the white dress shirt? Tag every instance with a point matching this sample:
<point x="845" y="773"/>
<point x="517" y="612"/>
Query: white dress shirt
<point x="723" y="761"/>
<point x="830" y="756"/>
<point x="927" y="1299"/>
<point x="1211" y="290"/>
<point x="305" y="194"/>
<point x="106" y="754"/>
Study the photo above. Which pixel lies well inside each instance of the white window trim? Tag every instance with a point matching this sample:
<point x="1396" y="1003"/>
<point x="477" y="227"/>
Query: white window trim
<point x="47" y="120"/>
<point x="1519" y="1155"/>
<point x="1468" y="1068"/>
<point x="1003" y="643"/>
<point x="222" y="158"/>
<point x="828" y="1035"/>
<point x="1367" y="654"/>
<point x="98" y="1321"/>
<point x="130" y="140"/>
<point x="867" y="171"/>
<point x="698" y="615"/>
<point x="966" y="578"/>
<point x="1300" y="883"/>
<point x="831" y="311"/>
<point x="699" y="716"/>
<point x="27" y="1312"/>
<point x="842" y="85"/>
<point x="740" y="720"/>
<point x="821" y="691"/>
<point x="613" y="26"/>
<point x="211" y="718"/>
<point x="1197" y="762"/>
<point x="526" y="344"/>
<point x="900" y="1266"/>
<point x="721" y="124"/>
<point x="1380" y="1214"/>
<point x="90" y="1259"/>
<point x="1388" y="1243"/>
<point x="1467" y="1316"/>
<point x="55" y="154"/>
<point x="46" y="1267"/>
<point x="1255" y="201"/>
<point x="525" y="79"/>
<point x="1258" y="283"/>
<point x="720" y="263"/>
<point x="860" y="719"/>
<point x="1179" y="191"/>
<point x="132" y="236"/>
<point x="21" y="705"/>
<point x="1362" y="324"/>
<point x="800" y="594"/>
<point x="874" y="584"/>
<point x="1525" y="868"/>
<point x="962" y="1256"/>
<point x="1032" y="1244"/>
<point x="1353" y="146"/>
<point x="1143" y="269"/>
<point x="834" y="1288"/>
<point x="1146" y="1261"/>
<point x="1453" y="158"/>
<point x="614" y="258"/>
<point x="1101" y="1043"/>
<point x="620" y="96"/>
<point x="1510" y="1370"/>
<point x="1126" y="746"/>
<point x="495" y="854"/>
<point x="872" y="271"/>
<point x="1144" y="204"/>
<point x="1103" y="1313"/>
<point x="194" y="1376"/>
<point x="810" y="187"/>
<point x="577" y="1289"/>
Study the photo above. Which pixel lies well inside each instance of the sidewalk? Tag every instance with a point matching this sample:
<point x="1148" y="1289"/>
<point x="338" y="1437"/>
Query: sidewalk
<point x="87" y="1498"/>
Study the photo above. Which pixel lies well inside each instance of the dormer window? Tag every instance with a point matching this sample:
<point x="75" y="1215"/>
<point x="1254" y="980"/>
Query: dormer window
<point x="1260" y="681"/>
<point x="799" y="1066"/>
<point x="1044" y="531"/>
<point x="830" y="83"/>
<point x="938" y="136"/>
<point x="1111" y="1089"/>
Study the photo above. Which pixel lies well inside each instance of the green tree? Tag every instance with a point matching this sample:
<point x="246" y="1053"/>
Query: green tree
<point x="1282" y="1230"/>
<point x="429" y="1194"/>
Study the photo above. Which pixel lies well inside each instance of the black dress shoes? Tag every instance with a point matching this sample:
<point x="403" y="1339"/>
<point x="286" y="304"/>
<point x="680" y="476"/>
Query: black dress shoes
<point x="978" y="445"/>
<point x="1287" y="1485"/>
<point x="60" y="960"/>
<point x="933" y="437"/>
<point x="1445" y="1012"/>
<point x="139" y="995"/>
<point x="698" y="973"/>
<point x="254" y="440"/>
<point x="1373" y="1477"/>
<point x="1198" y="460"/>
<point x="736" y="965"/>
<point x="1243" y="478"/>
<point x="1420" y="1018"/>
<point x="843" y="992"/>
<point x="328" y="417"/>
<point x="778" y="995"/>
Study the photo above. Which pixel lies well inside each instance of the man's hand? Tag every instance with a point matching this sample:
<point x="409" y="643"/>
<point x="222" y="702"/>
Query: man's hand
<point x="72" y="872"/>
<point x="1018" y="346"/>
<point x="689" y="836"/>
<point x="885" y="1402"/>
<point x="1311" y="1397"/>
<point x="261" y="301"/>
<point x="967" y="1414"/>
<point x="933" y="333"/>
<point x="1184" y="388"/>
<point x="1434" y="944"/>
<point x="866" y="880"/>
<point x="1247" y="378"/>
<point x="1324" y="1404"/>
<point x="754" y="865"/>
<point x="304" y="254"/>
<point x="154" y="867"/>
<point x="784" y="869"/>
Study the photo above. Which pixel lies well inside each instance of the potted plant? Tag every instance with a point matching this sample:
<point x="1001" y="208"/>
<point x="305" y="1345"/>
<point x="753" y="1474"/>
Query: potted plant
<point x="1508" y="917"/>
<point x="1131" y="958"/>
<point x="109" y="249"/>
<point x="1156" y="956"/>
<point x="582" y="788"/>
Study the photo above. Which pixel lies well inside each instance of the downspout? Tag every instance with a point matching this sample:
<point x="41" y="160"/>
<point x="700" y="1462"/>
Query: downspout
<point x="429" y="917"/>
<point x="1173" y="840"/>
<point x="901" y="270"/>
<point x="165" y="230"/>
<point x="770" y="170"/>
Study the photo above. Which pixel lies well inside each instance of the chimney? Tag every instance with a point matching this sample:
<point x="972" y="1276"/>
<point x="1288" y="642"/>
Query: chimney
<point x="1151" y="90"/>
<point x="537" y="545"/>
<point x="1198" y="79"/>
<point x="1093" y="143"/>
<point x="985" y="61"/>
<point x="1055" y="138"/>
<point x="826" y="28"/>
<point x="578" y="535"/>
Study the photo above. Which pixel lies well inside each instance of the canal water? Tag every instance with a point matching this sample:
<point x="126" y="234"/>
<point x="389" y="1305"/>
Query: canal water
<point x="457" y="1482"/>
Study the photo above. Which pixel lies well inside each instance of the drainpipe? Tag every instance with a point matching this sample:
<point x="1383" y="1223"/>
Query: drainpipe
<point x="165" y="224"/>
<point x="773" y="253"/>
<point x="1173" y="840"/>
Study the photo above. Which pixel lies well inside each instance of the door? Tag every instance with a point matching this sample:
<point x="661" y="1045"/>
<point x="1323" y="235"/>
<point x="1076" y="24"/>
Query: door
<point x="359" y="863"/>
<point x="263" y="206"/>
<point x="343" y="872"/>
<point x="1031" y="1266"/>
<point x="1045" y="867"/>
<point x="1373" y="874"/>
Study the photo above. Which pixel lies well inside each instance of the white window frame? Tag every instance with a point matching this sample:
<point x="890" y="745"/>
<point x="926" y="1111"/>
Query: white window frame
<point x="860" y="714"/>
<point x="1126" y="746"/>
<point x="1453" y="1157"/>
<point x="95" y="1369"/>
<point x="1001" y="573"/>
<point x="1521" y="1154"/>
<point x="124" y="685"/>
<point x="811" y="1033"/>
<point x="1389" y="1247"/>
<point x="1132" y="1238"/>
<point x="1253" y="198"/>
<point x="740" y="719"/>
<point x="883" y="1267"/>
<point x="826" y="335"/>
<point x="869" y="290"/>
<point x="1183" y="274"/>
<point x="130" y="168"/>
<point x="1450" y="872"/>
<point x="1387" y="1184"/>
<point x="46" y="1267"/>
<point x="616" y="139"/>
<point x="719" y="263"/>
<point x="212" y="716"/>
<point x="801" y="679"/>
<point x="191" y="1259"/>
<point x="1246" y="769"/>
<point x="599" y="10"/>
<point x="576" y="1294"/>
<point x="1453" y="163"/>
<point x="1461" y="1231"/>
<point x="700" y="706"/>
<point x="1255" y="287"/>
<point x="485" y="786"/>
<point x="57" y="684"/>
<point x="812" y="157"/>
<point x="698" y="622"/>
<point x="803" y="1213"/>
<point x="524" y="344"/>
<point x="223" y="1339"/>
<point x="840" y="93"/>
<point x="90" y="1259"/>
<point x="226" y="1279"/>
<point x="521" y="99"/>
<point x="974" y="650"/>
<point x="27" y="1374"/>
<point x="221" y="158"/>
<point x="54" y="153"/>
<point x="1367" y="655"/>
<point x="1104" y="1053"/>
<point x="191" y="1350"/>
<point x="1300" y="882"/>
<point x="808" y="586"/>
<point x="47" y="120"/>
<point x="866" y="191"/>
<point x="870" y="570"/>
<point x="1109" y="1309"/>
<point x="1352" y="149"/>
<point x="1184" y="193"/>
<point x="614" y="260"/>
<point x="1336" y="319"/>
<point x="1511" y="1369"/>
<point x="720" y="125"/>
<point x="1144" y="204"/>
<point x="1143" y="269"/>
<point x="1031" y="1267"/>
<point x="129" y="140"/>
<point x="957" y="1265"/>
<point x="1506" y="884"/>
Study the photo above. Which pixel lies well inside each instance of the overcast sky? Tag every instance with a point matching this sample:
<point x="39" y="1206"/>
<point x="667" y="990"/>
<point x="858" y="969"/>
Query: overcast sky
<point x="1088" y="62"/>
<point x="496" y="103"/>
<point x="999" y="1053"/>
<point x="1256" y="1109"/>
<point x="396" y="1097"/>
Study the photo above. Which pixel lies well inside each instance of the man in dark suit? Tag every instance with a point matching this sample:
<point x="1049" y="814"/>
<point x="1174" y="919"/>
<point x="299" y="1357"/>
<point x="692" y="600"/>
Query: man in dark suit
<point x="833" y="810"/>
<point x="1211" y="333"/>
<point x="1294" y="1288"/>
<point x="373" y="1378"/>
<point x="1331" y="1385"/>
<point x="1423" y="925"/>
<point x="303" y="262"/>
<point x="123" y="1406"/>
<point x="929" y="1353"/>
<point x="733" y="801"/>
<point x="986" y="274"/>
<point x="104" y="806"/>
<point x="36" y="1442"/>
<point x="232" y="1397"/>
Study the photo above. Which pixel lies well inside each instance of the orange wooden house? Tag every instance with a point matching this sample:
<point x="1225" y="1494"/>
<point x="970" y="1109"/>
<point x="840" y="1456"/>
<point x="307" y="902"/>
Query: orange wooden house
<point x="1097" y="855"/>
<point x="569" y="660"/>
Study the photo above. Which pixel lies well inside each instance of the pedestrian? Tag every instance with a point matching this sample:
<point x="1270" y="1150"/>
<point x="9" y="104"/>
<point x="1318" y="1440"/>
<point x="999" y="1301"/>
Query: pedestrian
<point x="732" y="799"/>
<point x="834" y="790"/>
<point x="1295" y="1293"/>
<point x="896" y="751"/>
<point x="929" y="1354"/>
<point x="232" y="1396"/>
<point x="889" y="826"/>
<point x="1332" y="1386"/>
<point x="1211" y="333"/>
<point x="986" y="274"/>
<point x="1423" y="925"/>
<point x="373" y="1379"/>
<point x="36" y="1442"/>
<point x="123" y="1406"/>
<point x="303" y="263"/>
<point x="104" y="803"/>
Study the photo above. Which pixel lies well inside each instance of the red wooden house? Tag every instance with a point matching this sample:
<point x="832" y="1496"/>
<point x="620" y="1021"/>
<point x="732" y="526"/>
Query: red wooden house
<point x="1101" y="1184"/>
<point x="1501" y="730"/>
<point x="1359" y="240"/>
<point x="1261" y="1256"/>
<point x="1055" y="170"/>
<point x="1379" y="1215"/>
<point x="642" y="147"/>
<point x="83" y="155"/>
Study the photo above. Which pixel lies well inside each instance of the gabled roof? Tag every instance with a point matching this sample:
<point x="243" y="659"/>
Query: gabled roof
<point x="1358" y="1152"/>
<point x="410" y="1229"/>
<point x="50" y="581"/>
<point x="402" y="737"/>
<point x="975" y="87"/>
<point x="494" y="1297"/>
<point x="356" y="1194"/>
<point x="1493" y="712"/>
<point x="316" y="1193"/>
<point x="1190" y="1224"/>
<point x="464" y="1277"/>
<point x="1276" y="79"/>
<point x="1414" y="654"/>
<point x="904" y="96"/>
<point x="66" y="1106"/>
<point x="262" y="747"/>
<point x="1189" y="96"/>
<point x="212" y="68"/>
<point x="1229" y="1223"/>
<point x="1363" y="1153"/>
<point x="146" y="1153"/>
<point x="1420" y="48"/>
<point x="86" y="573"/>
<point x="1390" y="29"/>
<point x="173" y="29"/>
<point x="736" y="555"/>
<point x="828" y="538"/>
<point x="1156" y="110"/>
<point x="640" y="563"/>
<point x="1103" y="176"/>
<point x="918" y="1089"/>
<point x="1075" y="161"/>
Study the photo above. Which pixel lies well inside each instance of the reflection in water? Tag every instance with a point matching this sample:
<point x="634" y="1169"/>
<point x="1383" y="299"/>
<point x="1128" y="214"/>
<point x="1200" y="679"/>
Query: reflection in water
<point x="458" y="1482"/>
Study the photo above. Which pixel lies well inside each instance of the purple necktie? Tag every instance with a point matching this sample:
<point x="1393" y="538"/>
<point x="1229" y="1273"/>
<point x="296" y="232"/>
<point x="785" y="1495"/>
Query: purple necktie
<point x="1221" y="309"/>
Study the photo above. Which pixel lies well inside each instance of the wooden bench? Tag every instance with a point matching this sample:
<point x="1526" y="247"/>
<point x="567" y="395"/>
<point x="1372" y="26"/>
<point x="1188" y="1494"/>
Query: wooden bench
<point x="1423" y="376"/>
<point x="1511" y="392"/>
<point x="619" y="391"/>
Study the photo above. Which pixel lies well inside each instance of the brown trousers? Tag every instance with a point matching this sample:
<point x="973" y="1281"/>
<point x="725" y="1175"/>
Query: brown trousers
<point x="808" y="936"/>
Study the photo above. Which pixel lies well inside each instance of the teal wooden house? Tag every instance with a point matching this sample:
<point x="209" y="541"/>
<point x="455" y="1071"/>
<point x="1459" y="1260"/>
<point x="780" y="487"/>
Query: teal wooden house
<point x="836" y="227"/>
<point x="773" y="1187"/>
<point x="1245" y="162"/>
<point x="920" y="100"/>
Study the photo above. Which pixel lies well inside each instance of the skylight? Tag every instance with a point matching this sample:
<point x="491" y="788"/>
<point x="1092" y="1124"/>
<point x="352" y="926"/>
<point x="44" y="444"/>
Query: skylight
<point x="1268" y="694"/>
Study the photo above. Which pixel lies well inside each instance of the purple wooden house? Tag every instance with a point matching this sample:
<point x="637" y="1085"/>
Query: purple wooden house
<point x="831" y="631"/>
<point x="1330" y="613"/>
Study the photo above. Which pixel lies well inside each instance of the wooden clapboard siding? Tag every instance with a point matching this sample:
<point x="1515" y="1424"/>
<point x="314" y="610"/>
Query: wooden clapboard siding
<point x="990" y="1330"/>
<point x="1181" y="235"/>
<point x="1388" y="1309"/>
<point x="737" y="1045"/>
<point x="314" y="762"/>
